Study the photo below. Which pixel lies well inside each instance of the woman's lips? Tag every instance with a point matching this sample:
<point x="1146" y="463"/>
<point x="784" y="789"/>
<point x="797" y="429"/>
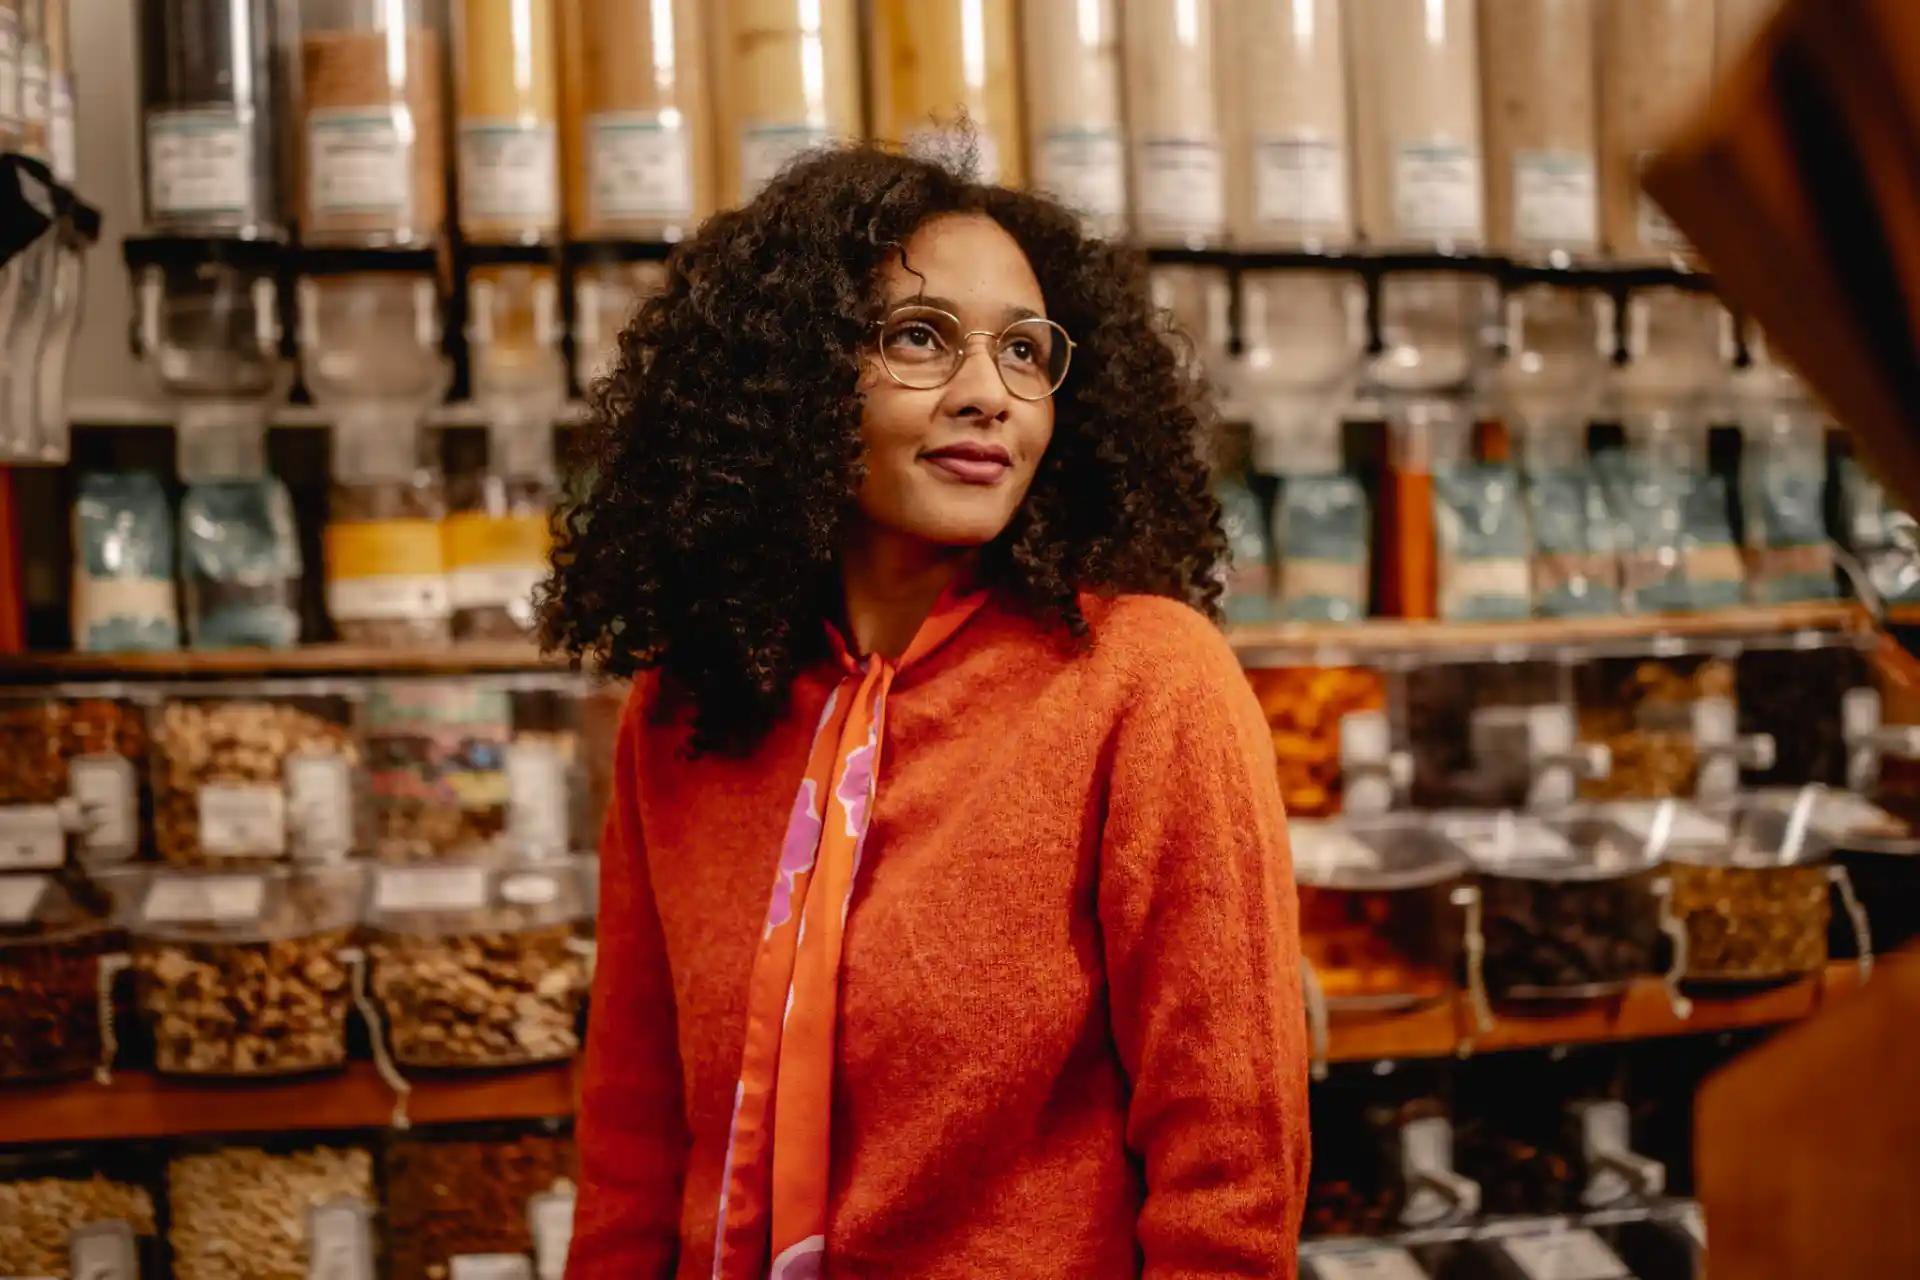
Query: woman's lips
<point x="971" y="464"/>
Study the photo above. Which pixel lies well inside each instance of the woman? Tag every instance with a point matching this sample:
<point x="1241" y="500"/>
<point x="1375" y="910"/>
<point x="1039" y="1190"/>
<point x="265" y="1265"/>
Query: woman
<point x="940" y="818"/>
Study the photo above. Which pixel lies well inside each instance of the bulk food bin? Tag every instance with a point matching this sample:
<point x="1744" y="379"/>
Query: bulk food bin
<point x="1358" y="1260"/>
<point x="472" y="1191"/>
<point x="73" y="764"/>
<point x="1383" y="1155"/>
<point x="1331" y="738"/>
<point x="1495" y="735"/>
<point x="61" y="1205"/>
<point x="1756" y="901"/>
<point x="264" y="1204"/>
<point x="246" y="973"/>
<point x="475" y="965"/>
<point x="1670" y="726"/>
<point x="250" y="774"/>
<point x="1809" y="704"/>
<point x="59" y="949"/>
<point x="1880" y="854"/>
<point x="1572" y="910"/>
<point x="1535" y="1248"/>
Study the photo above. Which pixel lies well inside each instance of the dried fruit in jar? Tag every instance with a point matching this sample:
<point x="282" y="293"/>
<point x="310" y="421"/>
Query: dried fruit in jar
<point x="450" y="1197"/>
<point x="1304" y="707"/>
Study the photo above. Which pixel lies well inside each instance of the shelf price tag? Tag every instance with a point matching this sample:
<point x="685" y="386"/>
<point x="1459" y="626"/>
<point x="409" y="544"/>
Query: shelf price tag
<point x="1565" y="1255"/>
<point x="20" y="897"/>
<point x="1368" y="1264"/>
<point x="206" y="899"/>
<point x="490" y="1266"/>
<point x="339" y="1241"/>
<point x="431" y="889"/>
<point x="103" y="1251"/>
<point x="32" y="837"/>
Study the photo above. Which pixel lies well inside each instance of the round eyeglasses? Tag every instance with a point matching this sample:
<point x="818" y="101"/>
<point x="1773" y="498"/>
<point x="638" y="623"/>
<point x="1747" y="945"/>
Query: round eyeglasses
<point x="922" y="348"/>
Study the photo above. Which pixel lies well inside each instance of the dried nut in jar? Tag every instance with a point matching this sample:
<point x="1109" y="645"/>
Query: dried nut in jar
<point x="39" y="742"/>
<point x="1752" y="922"/>
<point x="204" y="743"/>
<point x="1566" y="937"/>
<point x="38" y="1215"/>
<point x="451" y="1197"/>
<point x="1304" y="707"/>
<point x="241" y="1213"/>
<point x="480" y="999"/>
<point x="1644" y="721"/>
<point x="246" y="1008"/>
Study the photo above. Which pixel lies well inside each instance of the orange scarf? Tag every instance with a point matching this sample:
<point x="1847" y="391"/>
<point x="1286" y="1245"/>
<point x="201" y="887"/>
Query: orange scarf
<point x="773" y="1201"/>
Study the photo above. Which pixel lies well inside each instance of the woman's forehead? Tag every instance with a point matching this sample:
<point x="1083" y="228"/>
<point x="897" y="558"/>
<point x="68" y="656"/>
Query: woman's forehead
<point x="966" y="264"/>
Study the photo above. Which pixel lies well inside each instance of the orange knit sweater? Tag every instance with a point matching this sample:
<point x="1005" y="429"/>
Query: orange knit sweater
<point x="1071" y="1039"/>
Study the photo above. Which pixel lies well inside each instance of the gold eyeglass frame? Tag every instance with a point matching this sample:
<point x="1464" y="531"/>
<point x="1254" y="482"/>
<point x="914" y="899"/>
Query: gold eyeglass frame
<point x="961" y="353"/>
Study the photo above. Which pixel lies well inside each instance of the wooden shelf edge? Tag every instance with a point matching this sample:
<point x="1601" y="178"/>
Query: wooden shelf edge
<point x="308" y="660"/>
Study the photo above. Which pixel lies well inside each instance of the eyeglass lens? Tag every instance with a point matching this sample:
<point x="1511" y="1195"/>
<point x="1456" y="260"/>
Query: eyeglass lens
<point x="923" y="348"/>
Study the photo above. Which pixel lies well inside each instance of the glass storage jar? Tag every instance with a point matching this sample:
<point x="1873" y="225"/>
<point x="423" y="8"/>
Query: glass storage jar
<point x="1330" y="736"/>
<point x="211" y="92"/>
<point x="605" y="296"/>
<point x="474" y="1191"/>
<point x="932" y="63"/>
<point x="638" y="118"/>
<point x="54" y="1198"/>
<point x="787" y="80"/>
<point x="207" y="318"/>
<point x="1572" y="910"/>
<point x="123" y="562"/>
<point x="1538" y="77"/>
<point x="1075" y="135"/>
<point x="55" y="994"/>
<point x="1880" y="853"/>
<point x="1670" y="727"/>
<point x="373" y="170"/>
<point x="1386" y="1156"/>
<point x="1808" y="702"/>
<point x="1179" y="162"/>
<point x="1379" y="917"/>
<point x="246" y="973"/>
<point x="258" y="1203"/>
<point x="477" y="965"/>
<point x="73" y="775"/>
<point x="1291" y="186"/>
<point x="1656" y="66"/>
<point x="507" y="120"/>
<point x="1495" y="735"/>
<point x="246" y="774"/>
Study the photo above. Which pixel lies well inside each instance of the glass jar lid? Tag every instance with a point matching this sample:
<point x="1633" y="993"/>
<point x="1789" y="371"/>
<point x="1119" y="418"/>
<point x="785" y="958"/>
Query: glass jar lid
<point x="1372" y="855"/>
<point x="237" y="907"/>
<point x="1526" y="848"/>
<point x="1763" y="832"/>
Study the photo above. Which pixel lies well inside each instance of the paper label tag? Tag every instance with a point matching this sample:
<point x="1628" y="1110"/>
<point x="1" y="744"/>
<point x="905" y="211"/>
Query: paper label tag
<point x="1656" y="228"/>
<point x="1436" y="192"/>
<point x="537" y="797"/>
<point x="357" y="163"/>
<point x="1565" y="1255"/>
<point x="1086" y="170"/>
<point x="766" y="149"/>
<point x="1714" y="722"/>
<point x="32" y="837"/>
<point x="319" y="805"/>
<point x="1383" y="1263"/>
<point x="62" y="144"/>
<point x="9" y="65"/>
<point x="205" y="900"/>
<point x="199" y="164"/>
<point x="638" y="166"/>
<point x="106" y="789"/>
<point x="948" y="148"/>
<point x="339" y="1242"/>
<point x="1182" y="186"/>
<point x="242" y="820"/>
<point x="33" y="84"/>
<point x="1299" y="180"/>
<point x="401" y="889"/>
<point x="509" y="172"/>
<point x="1555" y="200"/>
<point x="550" y="1218"/>
<point x="490" y="1266"/>
<point x="103" y="1251"/>
<point x="20" y="897"/>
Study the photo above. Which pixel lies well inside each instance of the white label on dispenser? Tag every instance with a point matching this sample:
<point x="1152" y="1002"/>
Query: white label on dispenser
<point x="1656" y="228"/>
<point x="20" y="897"/>
<point x="1555" y="199"/>
<point x="104" y="786"/>
<point x="1694" y="1219"/>
<point x="31" y="837"/>
<point x="33" y="84"/>
<point x="242" y="819"/>
<point x="550" y="1218"/>
<point x="1299" y="180"/>
<point x="1368" y="1264"/>
<point x="199" y="164"/>
<point x="536" y="798"/>
<point x="1565" y="1255"/>
<point x="1086" y="170"/>
<point x="206" y="899"/>
<point x="402" y="889"/>
<point x="103" y="1251"/>
<point x="61" y="144"/>
<point x="1436" y="192"/>
<point x="766" y="149"/>
<point x="339" y="1242"/>
<point x="319" y="805"/>
<point x="639" y="165"/>
<point x="9" y="64"/>
<point x="357" y="163"/>
<point x="948" y="148"/>
<point x="490" y="1266"/>
<point x="509" y="172"/>
<point x="1182" y="187"/>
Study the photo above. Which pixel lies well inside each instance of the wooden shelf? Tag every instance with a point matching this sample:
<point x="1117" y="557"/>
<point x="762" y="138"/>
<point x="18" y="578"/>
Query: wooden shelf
<point x="1257" y="644"/>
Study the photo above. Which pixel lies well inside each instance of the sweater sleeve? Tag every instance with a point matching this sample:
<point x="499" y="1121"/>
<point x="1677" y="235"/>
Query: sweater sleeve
<point x="1201" y="934"/>
<point x="631" y="1129"/>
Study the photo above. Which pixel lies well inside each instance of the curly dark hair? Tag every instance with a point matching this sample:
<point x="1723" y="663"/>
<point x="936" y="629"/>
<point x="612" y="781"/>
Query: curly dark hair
<point x="723" y="454"/>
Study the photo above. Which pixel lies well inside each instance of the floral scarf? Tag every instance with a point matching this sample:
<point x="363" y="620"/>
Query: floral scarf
<point x="773" y="1202"/>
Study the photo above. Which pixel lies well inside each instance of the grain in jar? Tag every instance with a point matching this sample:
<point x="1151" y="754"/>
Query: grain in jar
<point x="787" y="74"/>
<point x="1656" y="65"/>
<point x="1179" y="153"/>
<point x="373" y="165"/>
<point x="54" y="1198"/>
<point x="1292" y="185"/>
<point x="638" y="113"/>
<point x="1542" y="127"/>
<point x="1076" y="144"/>
<point x="934" y="63"/>
<point x="1417" y="123"/>
<point x="506" y="59"/>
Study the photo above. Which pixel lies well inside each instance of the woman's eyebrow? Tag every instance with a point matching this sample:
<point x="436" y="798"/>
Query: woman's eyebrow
<point x="1012" y="313"/>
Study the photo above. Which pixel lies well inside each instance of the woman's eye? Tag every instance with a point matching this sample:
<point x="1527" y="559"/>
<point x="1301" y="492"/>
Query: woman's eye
<point x="1023" y="350"/>
<point x="917" y="335"/>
